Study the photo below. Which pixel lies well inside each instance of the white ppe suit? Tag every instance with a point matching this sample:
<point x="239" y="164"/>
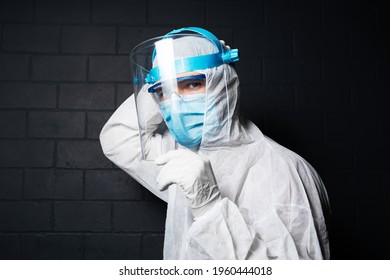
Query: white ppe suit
<point x="272" y="202"/>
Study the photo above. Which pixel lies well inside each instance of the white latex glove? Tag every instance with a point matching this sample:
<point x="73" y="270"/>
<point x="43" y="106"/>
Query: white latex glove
<point x="224" y="44"/>
<point x="193" y="174"/>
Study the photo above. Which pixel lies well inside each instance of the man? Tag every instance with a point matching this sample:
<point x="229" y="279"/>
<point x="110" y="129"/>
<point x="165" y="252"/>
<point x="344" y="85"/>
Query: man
<point x="232" y="193"/>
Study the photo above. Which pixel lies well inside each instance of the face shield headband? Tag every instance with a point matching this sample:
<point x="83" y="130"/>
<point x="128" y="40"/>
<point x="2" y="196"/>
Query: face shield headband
<point x="196" y="62"/>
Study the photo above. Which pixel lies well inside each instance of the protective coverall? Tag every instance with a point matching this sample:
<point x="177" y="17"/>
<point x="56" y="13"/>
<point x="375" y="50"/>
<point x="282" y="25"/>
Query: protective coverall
<point x="272" y="202"/>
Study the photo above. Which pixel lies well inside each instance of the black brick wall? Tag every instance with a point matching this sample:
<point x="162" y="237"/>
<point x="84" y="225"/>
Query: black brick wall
<point x="314" y="77"/>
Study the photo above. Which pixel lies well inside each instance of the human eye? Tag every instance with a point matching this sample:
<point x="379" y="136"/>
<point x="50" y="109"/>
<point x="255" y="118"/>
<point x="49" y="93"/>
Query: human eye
<point x="191" y="86"/>
<point x="194" y="85"/>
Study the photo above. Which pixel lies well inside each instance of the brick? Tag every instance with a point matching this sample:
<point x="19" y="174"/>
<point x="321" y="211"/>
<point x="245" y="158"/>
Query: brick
<point x="373" y="227"/>
<point x="314" y="98"/>
<point x="246" y="13"/>
<point x="52" y="247"/>
<point x="11" y="184"/>
<point x="371" y="156"/>
<point x="26" y="153"/>
<point x="95" y="123"/>
<point x="348" y="14"/>
<point x="351" y="127"/>
<point x="82" y="216"/>
<point x="12" y="124"/>
<point x="336" y="71"/>
<point x="254" y="116"/>
<point x="111" y="185"/>
<point x="304" y="13"/>
<point x="327" y="155"/>
<point x="344" y="224"/>
<point x="293" y="126"/>
<point x="129" y="37"/>
<point x="377" y="102"/>
<point x="1" y="37"/>
<point x="348" y="70"/>
<point x="81" y="154"/>
<point x="59" y="68"/>
<point x="14" y="67"/>
<point x="119" y="11"/>
<point x="334" y="178"/>
<point x="381" y="45"/>
<point x="88" y="39"/>
<point x="148" y="195"/>
<point x="109" y="68"/>
<point x="176" y="12"/>
<point x="267" y="98"/>
<point x="382" y="157"/>
<point x="16" y="10"/>
<point x="381" y="13"/>
<point x="57" y="124"/>
<point x="139" y="216"/>
<point x="25" y="216"/>
<point x="362" y="43"/>
<point x="53" y="184"/>
<point x="112" y="247"/>
<point x="27" y="95"/>
<point x="386" y="186"/>
<point x="87" y="96"/>
<point x="224" y="33"/>
<point x="72" y="11"/>
<point x="263" y="42"/>
<point x="383" y="71"/>
<point x="385" y="133"/>
<point x="10" y="247"/>
<point x="250" y="70"/>
<point x="356" y="185"/>
<point x="324" y="43"/>
<point x="152" y="246"/>
<point x="31" y="38"/>
<point x="369" y="185"/>
<point x="291" y="70"/>
<point x="362" y="70"/>
<point x="124" y="91"/>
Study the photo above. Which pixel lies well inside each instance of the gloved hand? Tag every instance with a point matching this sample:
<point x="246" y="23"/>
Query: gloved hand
<point x="224" y="44"/>
<point x="193" y="174"/>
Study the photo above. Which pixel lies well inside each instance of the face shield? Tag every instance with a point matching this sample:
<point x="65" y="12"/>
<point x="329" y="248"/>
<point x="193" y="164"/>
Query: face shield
<point x="178" y="72"/>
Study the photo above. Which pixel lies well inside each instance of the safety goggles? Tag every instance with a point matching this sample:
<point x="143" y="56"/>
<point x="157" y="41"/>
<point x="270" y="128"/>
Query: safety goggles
<point x="180" y="85"/>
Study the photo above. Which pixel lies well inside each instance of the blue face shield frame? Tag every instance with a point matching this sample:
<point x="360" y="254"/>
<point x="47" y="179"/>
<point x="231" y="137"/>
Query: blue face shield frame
<point x="197" y="62"/>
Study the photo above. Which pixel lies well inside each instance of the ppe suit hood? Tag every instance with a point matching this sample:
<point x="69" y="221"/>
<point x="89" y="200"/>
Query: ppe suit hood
<point x="222" y="126"/>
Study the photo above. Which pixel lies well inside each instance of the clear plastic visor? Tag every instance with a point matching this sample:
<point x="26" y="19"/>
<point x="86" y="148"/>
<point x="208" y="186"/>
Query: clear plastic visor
<point x="164" y="70"/>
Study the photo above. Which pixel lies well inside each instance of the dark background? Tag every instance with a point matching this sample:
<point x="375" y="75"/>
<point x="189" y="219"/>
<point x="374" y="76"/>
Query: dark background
<point x="314" y="77"/>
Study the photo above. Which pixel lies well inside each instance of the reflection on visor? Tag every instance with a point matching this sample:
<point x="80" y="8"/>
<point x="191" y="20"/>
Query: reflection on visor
<point x="185" y="85"/>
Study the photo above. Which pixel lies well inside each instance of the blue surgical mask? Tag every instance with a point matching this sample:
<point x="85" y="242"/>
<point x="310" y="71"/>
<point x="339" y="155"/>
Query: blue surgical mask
<point x="184" y="116"/>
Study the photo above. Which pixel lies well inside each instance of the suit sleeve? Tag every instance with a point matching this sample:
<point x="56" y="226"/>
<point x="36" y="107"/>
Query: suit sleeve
<point x="120" y="141"/>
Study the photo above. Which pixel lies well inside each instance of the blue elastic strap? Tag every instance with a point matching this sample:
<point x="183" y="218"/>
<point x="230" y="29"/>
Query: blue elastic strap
<point x="196" y="62"/>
